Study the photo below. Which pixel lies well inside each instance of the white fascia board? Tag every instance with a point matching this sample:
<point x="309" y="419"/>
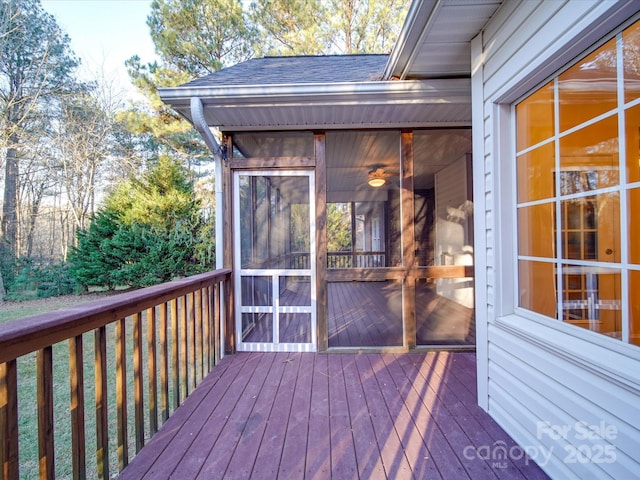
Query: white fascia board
<point x="408" y="38"/>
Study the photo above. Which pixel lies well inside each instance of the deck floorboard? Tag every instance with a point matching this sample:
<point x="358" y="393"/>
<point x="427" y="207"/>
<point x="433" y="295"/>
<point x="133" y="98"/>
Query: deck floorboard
<point x="331" y="416"/>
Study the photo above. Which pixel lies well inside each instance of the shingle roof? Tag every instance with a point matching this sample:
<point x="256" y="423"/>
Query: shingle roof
<point x="296" y="70"/>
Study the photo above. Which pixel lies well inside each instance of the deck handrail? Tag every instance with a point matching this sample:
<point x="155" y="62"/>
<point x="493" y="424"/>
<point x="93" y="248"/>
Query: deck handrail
<point x="191" y="305"/>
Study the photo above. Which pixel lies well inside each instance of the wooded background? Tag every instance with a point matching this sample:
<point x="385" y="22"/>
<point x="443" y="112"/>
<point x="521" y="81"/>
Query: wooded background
<point x="67" y="145"/>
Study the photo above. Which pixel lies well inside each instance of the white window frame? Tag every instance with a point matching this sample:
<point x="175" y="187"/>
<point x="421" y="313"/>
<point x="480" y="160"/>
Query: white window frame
<point x="621" y="188"/>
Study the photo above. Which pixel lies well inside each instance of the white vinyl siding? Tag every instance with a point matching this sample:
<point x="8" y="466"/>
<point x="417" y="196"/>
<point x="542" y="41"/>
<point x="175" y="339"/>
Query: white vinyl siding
<point x="539" y="369"/>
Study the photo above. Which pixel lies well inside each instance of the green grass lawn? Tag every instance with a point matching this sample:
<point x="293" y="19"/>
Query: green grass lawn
<point x="15" y="310"/>
<point x="27" y="394"/>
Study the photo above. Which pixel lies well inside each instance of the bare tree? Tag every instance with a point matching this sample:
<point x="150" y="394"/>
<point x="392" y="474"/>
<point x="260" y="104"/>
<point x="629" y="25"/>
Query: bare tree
<point x="35" y="64"/>
<point x="82" y="145"/>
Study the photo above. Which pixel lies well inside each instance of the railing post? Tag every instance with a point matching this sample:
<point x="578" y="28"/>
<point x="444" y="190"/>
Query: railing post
<point x="151" y="370"/>
<point x="102" y="419"/>
<point x="191" y="316"/>
<point x="164" y="364"/>
<point x="200" y="330"/>
<point x="121" y="393"/>
<point x="76" y="381"/>
<point x="9" y="466"/>
<point x="206" y="316"/>
<point x="138" y="391"/>
<point x="175" y="351"/>
<point x="45" y="413"/>
<point x="184" y="371"/>
<point x="217" y="322"/>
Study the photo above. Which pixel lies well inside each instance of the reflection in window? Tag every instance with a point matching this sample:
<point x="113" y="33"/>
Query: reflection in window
<point x="593" y="269"/>
<point x="589" y="88"/>
<point x="591" y="298"/>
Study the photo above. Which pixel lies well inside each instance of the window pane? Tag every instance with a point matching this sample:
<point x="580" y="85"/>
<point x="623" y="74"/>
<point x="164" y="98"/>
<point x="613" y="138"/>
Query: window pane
<point x="534" y="118"/>
<point x="537" y="287"/>
<point x="589" y="88"/>
<point x="591" y="228"/>
<point x="634" y="226"/>
<point x="589" y="158"/>
<point x="631" y="52"/>
<point x="536" y="169"/>
<point x="633" y="143"/>
<point x="535" y="230"/>
<point x="592" y="299"/>
<point x="634" y="307"/>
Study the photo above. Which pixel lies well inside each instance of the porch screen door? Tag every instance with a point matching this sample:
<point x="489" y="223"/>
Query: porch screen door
<point x="274" y="260"/>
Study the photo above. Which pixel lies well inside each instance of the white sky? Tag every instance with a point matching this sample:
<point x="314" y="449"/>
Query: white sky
<point x="105" y="33"/>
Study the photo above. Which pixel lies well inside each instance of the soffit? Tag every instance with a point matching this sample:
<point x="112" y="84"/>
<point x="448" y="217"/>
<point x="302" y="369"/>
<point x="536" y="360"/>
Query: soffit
<point x="372" y="104"/>
<point x="435" y="41"/>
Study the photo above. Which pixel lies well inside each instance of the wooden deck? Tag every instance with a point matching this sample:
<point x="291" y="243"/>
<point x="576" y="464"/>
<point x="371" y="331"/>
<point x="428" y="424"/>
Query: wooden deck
<point x="339" y="416"/>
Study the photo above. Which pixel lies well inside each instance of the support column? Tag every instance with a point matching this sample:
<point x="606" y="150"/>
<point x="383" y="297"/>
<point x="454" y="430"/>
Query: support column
<point x="321" y="242"/>
<point x="408" y="239"/>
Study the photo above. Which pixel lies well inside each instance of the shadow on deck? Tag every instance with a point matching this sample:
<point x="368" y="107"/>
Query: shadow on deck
<point x="340" y="416"/>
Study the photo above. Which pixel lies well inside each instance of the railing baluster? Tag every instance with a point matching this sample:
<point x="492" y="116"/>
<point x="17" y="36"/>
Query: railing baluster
<point x="138" y="391"/>
<point x="9" y="464"/>
<point x="184" y="372"/>
<point x="152" y="370"/>
<point x="44" y="360"/>
<point x="217" y="321"/>
<point x="192" y="341"/>
<point x="206" y="292"/>
<point x="76" y="381"/>
<point x="164" y="365"/>
<point x="102" y="419"/>
<point x="121" y="393"/>
<point x="175" y="351"/>
<point x="200" y="330"/>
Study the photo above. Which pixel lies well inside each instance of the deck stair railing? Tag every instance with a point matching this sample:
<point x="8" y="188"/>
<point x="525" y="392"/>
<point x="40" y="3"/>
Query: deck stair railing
<point x="183" y="320"/>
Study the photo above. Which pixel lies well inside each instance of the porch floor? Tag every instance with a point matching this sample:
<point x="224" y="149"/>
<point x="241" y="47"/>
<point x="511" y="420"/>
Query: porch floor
<point x="340" y="416"/>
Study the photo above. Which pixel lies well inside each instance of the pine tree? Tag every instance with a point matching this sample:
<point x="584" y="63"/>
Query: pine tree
<point x="150" y="231"/>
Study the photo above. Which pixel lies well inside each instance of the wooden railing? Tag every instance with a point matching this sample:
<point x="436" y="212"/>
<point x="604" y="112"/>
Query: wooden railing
<point x="356" y="259"/>
<point x="183" y="320"/>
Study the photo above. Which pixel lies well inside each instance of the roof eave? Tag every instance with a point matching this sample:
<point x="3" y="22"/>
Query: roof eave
<point x="409" y="38"/>
<point x="377" y="94"/>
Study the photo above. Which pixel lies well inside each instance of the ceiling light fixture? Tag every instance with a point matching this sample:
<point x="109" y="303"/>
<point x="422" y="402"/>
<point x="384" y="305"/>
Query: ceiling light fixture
<point x="377" y="182"/>
<point x="377" y="178"/>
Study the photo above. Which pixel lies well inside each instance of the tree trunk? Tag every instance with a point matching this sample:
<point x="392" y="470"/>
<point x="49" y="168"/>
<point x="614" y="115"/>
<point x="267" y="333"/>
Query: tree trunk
<point x="2" y="292"/>
<point x="10" y="205"/>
